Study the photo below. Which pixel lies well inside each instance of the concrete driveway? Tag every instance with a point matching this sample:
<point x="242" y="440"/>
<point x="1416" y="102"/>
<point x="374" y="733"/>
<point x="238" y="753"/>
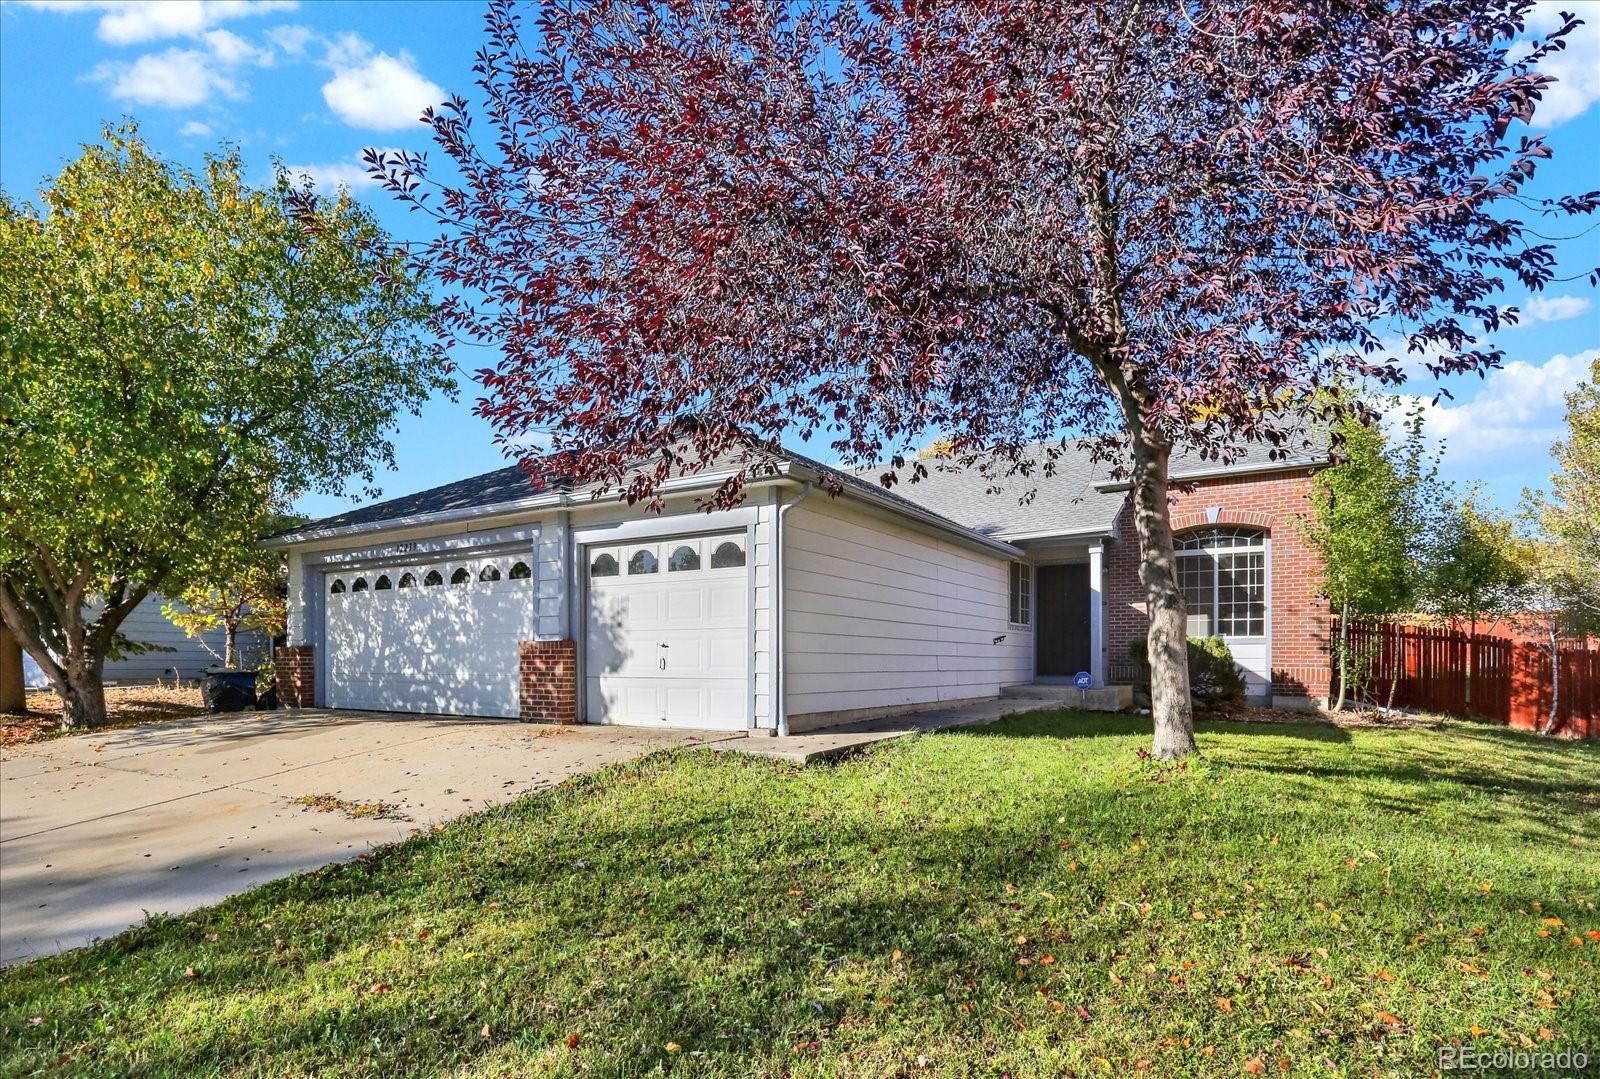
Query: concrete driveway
<point x="97" y="830"/>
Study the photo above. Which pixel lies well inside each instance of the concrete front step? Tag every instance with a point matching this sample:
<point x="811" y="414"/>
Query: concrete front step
<point x="1097" y="699"/>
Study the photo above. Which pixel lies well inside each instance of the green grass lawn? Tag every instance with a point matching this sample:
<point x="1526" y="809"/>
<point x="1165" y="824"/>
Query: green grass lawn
<point x="1027" y="899"/>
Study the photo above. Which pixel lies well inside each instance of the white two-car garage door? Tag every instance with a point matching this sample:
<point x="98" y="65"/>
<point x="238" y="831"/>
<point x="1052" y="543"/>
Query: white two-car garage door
<point x="667" y="634"/>
<point x="438" y="637"/>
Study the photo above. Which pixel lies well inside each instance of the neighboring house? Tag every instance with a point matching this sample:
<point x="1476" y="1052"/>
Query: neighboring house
<point x="176" y="655"/>
<point x="794" y="610"/>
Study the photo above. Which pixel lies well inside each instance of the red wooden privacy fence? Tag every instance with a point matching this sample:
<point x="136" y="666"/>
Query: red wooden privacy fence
<point x="1446" y="670"/>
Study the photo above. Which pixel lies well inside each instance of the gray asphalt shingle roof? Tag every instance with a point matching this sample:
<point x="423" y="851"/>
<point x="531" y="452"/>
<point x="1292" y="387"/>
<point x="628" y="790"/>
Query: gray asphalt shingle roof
<point x="1069" y="499"/>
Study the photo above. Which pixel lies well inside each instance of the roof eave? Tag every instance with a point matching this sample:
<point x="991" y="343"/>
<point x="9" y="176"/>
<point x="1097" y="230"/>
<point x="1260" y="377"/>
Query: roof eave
<point x="1226" y="471"/>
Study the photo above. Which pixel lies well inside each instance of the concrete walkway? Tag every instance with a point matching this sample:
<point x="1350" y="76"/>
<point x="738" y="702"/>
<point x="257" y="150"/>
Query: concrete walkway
<point x="97" y="830"/>
<point x="831" y="742"/>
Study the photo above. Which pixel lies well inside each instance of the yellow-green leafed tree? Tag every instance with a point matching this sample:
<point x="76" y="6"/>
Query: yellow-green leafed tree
<point x="183" y="354"/>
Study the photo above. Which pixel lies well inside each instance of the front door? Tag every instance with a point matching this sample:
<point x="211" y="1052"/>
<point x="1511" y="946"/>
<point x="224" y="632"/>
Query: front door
<point x="1061" y="632"/>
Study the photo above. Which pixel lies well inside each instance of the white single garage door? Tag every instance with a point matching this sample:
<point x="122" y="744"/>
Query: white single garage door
<point x="667" y="634"/>
<point x="437" y="637"/>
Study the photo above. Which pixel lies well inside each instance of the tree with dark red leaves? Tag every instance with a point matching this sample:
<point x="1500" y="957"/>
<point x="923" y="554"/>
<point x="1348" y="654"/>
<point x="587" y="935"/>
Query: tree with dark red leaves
<point x="699" y="227"/>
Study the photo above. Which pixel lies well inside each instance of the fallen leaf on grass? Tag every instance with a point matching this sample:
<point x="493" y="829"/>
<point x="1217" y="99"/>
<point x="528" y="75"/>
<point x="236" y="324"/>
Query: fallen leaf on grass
<point x="1389" y="1019"/>
<point x="573" y="1040"/>
<point x="1255" y="1066"/>
<point x="1225" y="1004"/>
<point x="1383" y="976"/>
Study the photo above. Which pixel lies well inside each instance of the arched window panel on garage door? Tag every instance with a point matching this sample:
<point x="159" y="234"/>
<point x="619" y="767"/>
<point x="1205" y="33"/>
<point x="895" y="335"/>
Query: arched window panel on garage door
<point x="520" y="571"/>
<point x="685" y="556"/>
<point x="490" y="572"/>
<point x="461" y="576"/>
<point x="603" y="563"/>
<point x="643" y="560"/>
<point x="727" y="553"/>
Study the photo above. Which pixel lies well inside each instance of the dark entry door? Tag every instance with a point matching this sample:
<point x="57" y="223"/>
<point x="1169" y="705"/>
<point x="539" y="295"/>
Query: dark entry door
<point x="1061" y="631"/>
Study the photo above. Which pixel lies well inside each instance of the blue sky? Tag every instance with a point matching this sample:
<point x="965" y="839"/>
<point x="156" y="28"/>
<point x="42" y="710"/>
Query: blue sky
<point x="313" y="83"/>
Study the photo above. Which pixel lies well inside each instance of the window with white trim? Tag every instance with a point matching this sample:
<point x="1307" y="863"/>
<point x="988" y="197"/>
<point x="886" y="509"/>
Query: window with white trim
<point x="1021" y="593"/>
<point x="1223" y="574"/>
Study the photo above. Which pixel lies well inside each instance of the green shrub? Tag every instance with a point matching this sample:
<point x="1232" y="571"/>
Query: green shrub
<point x="1214" y="678"/>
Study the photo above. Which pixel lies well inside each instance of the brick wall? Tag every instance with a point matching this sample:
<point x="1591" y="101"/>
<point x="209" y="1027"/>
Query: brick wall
<point x="295" y="674"/>
<point x="549" y="681"/>
<point x="1300" y="618"/>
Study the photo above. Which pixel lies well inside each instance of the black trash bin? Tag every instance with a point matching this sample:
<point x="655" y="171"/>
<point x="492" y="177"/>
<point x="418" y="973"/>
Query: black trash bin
<point x="225" y="690"/>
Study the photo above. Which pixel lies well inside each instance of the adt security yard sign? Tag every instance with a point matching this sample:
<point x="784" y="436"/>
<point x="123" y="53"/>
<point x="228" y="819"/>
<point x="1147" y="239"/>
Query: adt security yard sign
<point x="1083" y="680"/>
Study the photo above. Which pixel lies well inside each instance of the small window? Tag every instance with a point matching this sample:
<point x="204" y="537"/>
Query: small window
<point x="683" y="558"/>
<point x="383" y="583"/>
<point x="604" y="565"/>
<point x="338" y="586"/>
<point x="408" y="580"/>
<point x="432" y="577"/>
<point x="360" y="585"/>
<point x="643" y="561"/>
<point x="489" y="573"/>
<point x="727" y="555"/>
<point x="1021" y="593"/>
<point x="520" y="571"/>
<point x="460" y="576"/>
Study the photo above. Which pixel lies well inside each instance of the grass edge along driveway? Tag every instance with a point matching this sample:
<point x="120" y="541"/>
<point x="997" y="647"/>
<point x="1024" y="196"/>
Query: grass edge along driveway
<point x="1025" y="899"/>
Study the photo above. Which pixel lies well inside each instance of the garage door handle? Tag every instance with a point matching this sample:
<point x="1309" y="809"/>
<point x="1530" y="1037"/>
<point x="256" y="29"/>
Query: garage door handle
<point x="663" y="663"/>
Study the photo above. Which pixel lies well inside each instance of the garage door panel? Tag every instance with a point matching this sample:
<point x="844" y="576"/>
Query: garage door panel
<point x="447" y="649"/>
<point x="729" y="603"/>
<point x="668" y="648"/>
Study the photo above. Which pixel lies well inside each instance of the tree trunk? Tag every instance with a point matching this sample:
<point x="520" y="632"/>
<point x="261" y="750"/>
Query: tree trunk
<point x="1555" y="683"/>
<point x="83" y="703"/>
<point x="1168" y="640"/>
<point x="1344" y="656"/>
<point x="1472" y="641"/>
<point x="13" y="695"/>
<point x="230" y="646"/>
<point x="1396" y="651"/>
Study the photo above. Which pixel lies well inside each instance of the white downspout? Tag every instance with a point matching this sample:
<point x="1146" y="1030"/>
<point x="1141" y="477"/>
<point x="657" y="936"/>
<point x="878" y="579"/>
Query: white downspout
<point x="780" y="703"/>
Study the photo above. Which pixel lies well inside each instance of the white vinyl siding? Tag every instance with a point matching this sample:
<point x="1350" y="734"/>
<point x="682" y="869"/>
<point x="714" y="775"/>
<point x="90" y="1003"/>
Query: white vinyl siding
<point x="882" y="615"/>
<point x="189" y="658"/>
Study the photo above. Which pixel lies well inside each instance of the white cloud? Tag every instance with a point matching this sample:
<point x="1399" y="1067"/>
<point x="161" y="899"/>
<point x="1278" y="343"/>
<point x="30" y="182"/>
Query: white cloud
<point x="1552" y="308"/>
<point x="330" y="176"/>
<point x="1576" y="68"/>
<point x="1519" y="410"/>
<point x="178" y="77"/>
<point x="194" y="129"/>
<point x="128" y="22"/>
<point x="291" y="38"/>
<point x="377" y="92"/>
<point x="175" y="78"/>
<point x="231" y="49"/>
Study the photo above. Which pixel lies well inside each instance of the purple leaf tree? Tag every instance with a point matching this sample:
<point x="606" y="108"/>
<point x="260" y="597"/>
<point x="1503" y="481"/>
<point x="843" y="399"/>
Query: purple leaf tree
<point x="696" y="227"/>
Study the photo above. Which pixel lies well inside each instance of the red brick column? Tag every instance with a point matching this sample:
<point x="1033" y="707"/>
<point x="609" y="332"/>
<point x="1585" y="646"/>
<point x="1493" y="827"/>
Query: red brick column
<point x="549" y="681"/>
<point x="296" y="675"/>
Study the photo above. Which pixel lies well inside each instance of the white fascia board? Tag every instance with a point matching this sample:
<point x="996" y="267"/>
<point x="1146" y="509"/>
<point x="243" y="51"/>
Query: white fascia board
<point x="1096" y="532"/>
<point x="1224" y="471"/>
